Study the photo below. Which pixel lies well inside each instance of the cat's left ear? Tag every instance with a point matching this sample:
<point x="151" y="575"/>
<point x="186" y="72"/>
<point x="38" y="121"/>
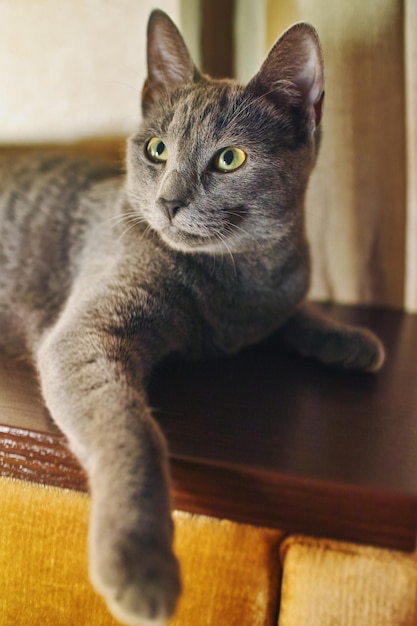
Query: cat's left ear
<point x="294" y="67"/>
<point x="169" y="63"/>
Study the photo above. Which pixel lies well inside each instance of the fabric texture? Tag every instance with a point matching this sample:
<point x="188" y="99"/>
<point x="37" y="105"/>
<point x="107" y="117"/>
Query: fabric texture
<point x="230" y="571"/>
<point x="330" y="583"/>
<point x="357" y="197"/>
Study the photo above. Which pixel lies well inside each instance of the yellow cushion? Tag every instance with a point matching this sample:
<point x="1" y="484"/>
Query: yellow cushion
<point x="330" y="583"/>
<point x="230" y="571"/>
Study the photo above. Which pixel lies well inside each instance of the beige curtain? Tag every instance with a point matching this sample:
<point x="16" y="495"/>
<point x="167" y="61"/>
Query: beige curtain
<point x="411" y="126"/>
<point x="362" y="201"/>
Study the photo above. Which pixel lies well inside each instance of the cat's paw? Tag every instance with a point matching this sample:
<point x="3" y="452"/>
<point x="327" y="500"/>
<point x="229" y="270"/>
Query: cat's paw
<point x="138" y="578"/>
<point x="354" y="349"/>
<point x="311" y="333"/>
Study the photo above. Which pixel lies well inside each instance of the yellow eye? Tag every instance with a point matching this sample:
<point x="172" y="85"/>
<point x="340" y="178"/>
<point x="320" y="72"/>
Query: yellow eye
<point x="157" y="150"/>
<point x="230" y="159"/>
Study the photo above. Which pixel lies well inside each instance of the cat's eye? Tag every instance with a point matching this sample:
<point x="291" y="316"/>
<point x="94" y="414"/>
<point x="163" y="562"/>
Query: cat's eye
<point x="157" y="150"/>
<point x="230" y="159"/>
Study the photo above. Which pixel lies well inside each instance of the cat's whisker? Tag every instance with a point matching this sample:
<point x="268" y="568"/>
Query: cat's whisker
<point x="213" y="256"/>
<point x="145" y="234"/>
<point x="223" y="240"/>
<point x="129" y="218"/>
<point x="302" y="257"/>
<point x="116" y="220"/>
<point x="133" y="224"/>
<point x="243" y="231"/>
<point x="121" y="216"/>
<point x="237" y="111"/>
<point x="214" y="259"/>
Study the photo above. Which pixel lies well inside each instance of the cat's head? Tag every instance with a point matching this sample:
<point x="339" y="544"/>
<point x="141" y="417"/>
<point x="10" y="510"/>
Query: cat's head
<point x="217" y="166"/>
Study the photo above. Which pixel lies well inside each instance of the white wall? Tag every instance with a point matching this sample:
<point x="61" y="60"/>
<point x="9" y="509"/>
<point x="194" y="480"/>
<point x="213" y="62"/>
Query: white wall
<point x="74" y="69"/>
<point x="250" y="37"/>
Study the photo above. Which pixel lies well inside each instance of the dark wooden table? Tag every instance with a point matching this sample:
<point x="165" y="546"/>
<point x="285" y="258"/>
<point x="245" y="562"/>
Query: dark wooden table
<point x="266" y="438"/>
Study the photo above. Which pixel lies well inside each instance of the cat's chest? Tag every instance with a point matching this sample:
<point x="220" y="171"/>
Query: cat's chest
<point x="248" y="306"/>
<point x="200" y="309"/>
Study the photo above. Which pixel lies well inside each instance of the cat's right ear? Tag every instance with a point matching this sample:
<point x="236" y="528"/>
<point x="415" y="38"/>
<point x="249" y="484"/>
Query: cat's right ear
<point x="294" y="67"/>
<point x="169" y="63"/>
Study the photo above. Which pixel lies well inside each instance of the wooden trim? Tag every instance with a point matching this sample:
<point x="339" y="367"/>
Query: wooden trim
<point x="241" y="494"/>
<point x="217" y="38"/>
<point x="411" y="128"/>
<point x="268" y="438"/>
<point x="39" y="457"/>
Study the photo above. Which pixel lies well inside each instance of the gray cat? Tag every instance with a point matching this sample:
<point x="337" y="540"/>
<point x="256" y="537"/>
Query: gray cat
<point x="199" y="249"/>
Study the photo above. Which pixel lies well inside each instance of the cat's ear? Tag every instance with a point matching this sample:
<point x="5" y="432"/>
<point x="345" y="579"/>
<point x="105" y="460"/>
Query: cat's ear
<point x="169" y="63"/>
<point x="294" y="67"/>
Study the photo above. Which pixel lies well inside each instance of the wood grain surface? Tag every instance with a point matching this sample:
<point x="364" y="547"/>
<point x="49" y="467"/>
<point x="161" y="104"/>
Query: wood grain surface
<point x="268" y="438"/>
<point x="217" y="37"/>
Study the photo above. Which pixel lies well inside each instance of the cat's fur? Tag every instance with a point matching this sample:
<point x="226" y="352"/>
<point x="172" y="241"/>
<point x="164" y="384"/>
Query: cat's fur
<point x="102" y="276"/>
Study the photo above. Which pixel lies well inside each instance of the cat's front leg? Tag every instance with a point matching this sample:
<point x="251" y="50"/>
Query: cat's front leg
<point x="312" y="333"/>
<point x="91" y="382"/>
<point x="130" y="540"/>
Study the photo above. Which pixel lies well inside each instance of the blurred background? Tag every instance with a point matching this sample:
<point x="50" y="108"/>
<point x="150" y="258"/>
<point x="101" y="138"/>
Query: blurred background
<point x="74" y="70"/>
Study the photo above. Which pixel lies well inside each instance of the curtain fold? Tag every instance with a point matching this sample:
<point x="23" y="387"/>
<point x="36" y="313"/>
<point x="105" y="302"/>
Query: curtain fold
<point x="357" y="209"/>
<point x="411" y="125"/>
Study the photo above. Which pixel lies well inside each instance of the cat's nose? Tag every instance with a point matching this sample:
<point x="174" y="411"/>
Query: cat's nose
<point x="172" y="207"/>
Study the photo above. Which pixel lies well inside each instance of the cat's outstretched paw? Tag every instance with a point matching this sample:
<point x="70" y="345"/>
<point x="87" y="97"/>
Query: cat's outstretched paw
<point x="353" y="348"/>
<point x="311" y="333"/>
<point x="139" y="579"/>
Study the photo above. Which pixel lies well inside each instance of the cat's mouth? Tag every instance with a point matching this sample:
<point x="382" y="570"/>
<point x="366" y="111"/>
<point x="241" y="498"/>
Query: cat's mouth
<point x="185" y="241"/>
<point x="207" y="239"/>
